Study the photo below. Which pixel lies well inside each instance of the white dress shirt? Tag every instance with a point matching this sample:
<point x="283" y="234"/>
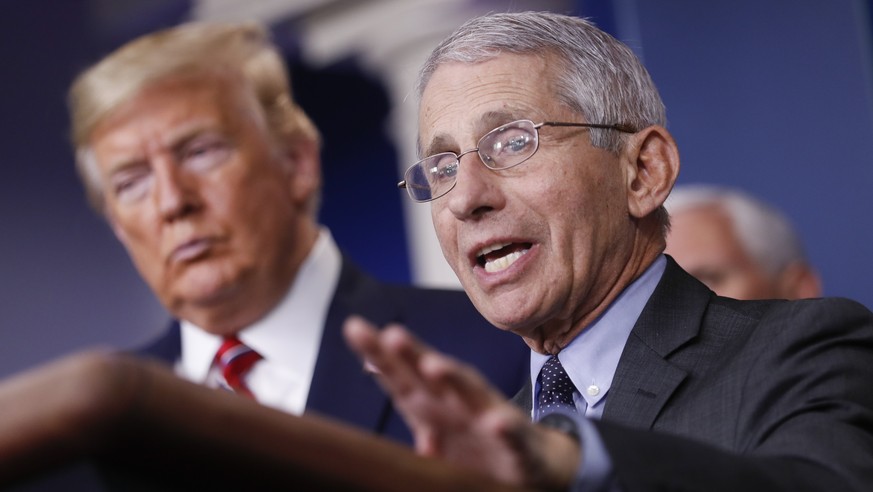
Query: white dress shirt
<point x="288" y="337"/>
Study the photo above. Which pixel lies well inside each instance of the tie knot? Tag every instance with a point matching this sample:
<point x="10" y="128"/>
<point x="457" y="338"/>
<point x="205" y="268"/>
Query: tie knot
<point x="235" y="359"/>
<point x="556" y="388"/>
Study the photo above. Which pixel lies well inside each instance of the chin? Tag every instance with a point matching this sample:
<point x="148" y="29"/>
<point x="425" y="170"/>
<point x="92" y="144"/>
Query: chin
<point x="505" y="319"/>
<point x="204" y="290"/>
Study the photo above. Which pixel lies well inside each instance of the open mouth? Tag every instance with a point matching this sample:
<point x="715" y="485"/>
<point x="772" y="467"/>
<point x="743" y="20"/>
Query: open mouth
<point x="498" y="257"/>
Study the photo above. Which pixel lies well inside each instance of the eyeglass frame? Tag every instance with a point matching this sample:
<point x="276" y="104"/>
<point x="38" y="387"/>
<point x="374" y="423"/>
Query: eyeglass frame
<point x="536" y="127"/>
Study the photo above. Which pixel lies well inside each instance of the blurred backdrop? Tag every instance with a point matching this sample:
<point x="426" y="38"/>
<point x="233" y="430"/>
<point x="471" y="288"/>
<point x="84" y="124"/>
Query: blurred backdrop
<point x="772" y="96"/>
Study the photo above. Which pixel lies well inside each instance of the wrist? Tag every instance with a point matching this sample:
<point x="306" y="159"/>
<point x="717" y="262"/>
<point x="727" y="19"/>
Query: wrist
<point x="562" y="423"/>
<point x="563" y="451"/>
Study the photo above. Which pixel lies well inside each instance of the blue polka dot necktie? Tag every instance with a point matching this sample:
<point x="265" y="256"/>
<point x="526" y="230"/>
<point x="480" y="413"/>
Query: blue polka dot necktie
<point x="556" y="388"/>
<point x="235" y="359"/>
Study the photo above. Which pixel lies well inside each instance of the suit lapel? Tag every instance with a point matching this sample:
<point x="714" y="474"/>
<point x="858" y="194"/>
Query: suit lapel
<point x="643" y="383"/>
<point x="340" y="387"/>
<point x="523" y="399"/>
<point x="645" y="378"/>
<point x="167" y="348"/>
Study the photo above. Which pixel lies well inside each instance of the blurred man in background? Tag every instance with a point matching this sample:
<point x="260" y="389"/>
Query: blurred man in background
<point x="737" y="245"/>
<point x="190" y="144"/>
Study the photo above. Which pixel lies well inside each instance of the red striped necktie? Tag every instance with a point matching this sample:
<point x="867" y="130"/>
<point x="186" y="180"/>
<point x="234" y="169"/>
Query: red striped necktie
<point x="235" y="359"/>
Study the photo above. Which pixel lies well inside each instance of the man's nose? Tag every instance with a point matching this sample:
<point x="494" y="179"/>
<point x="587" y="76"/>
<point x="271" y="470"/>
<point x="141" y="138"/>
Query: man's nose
<point x="477" y="189"/>
<point x="175" y="191"/>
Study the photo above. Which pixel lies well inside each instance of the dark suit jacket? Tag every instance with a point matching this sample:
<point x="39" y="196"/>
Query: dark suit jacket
<point x="714" y="394"/>
<point x="445" y="319"/>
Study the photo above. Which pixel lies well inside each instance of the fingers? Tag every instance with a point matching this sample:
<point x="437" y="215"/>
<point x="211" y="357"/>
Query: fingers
<point x="405" y="365"/>
<point x="455" y="414"/>
<point x="383" y="352"/>
<point x="447" y="375"/>
<point x="360" y="336"/>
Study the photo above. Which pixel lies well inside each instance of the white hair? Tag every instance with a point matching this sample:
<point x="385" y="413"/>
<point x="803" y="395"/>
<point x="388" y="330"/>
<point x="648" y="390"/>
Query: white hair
<point x="595" y="75"/>
<point x="598" y="76"/>
<point x="765" y="233"/>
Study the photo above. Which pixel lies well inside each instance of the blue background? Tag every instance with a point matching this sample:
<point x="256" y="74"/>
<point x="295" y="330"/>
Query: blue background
<point x="773" y="96"/>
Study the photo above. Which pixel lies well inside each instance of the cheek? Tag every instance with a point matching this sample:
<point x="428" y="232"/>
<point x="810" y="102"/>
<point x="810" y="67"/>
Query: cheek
<point x="442" y="221"/>
<point x="247" y="196"/>
<point x="264" y="219"/>
<point x="144" y="247"/>
<point x="257" y="225"/>
<point x="443" y="224"/>
<point x="139" y="234"/>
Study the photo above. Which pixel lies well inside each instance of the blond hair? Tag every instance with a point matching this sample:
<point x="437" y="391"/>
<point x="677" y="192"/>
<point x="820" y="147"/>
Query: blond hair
<point x="189" y="49"/>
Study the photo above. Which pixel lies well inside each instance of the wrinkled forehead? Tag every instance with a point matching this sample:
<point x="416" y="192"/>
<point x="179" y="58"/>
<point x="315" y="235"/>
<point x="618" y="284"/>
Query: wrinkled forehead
<point x="463" y="101"/>
<point x="474" y="128"/>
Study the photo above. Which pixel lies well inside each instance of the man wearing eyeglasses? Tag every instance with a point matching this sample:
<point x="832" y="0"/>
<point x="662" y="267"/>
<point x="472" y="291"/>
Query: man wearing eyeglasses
<point x="546" y="165"/>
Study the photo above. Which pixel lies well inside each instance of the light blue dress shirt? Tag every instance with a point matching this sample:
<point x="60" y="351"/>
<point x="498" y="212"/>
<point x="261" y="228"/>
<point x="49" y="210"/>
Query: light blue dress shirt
<point x="591" y="360"/>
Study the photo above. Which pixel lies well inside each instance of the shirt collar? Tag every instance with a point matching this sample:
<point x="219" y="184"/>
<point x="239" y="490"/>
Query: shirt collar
<point x="592" y="357"/>
<point x="288" y="335"/>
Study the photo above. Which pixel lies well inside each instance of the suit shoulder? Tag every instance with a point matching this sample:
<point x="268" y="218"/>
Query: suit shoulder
<point x="166" y="346"/>
<point x="830" y="314"/>
<point x="781" y="321"/>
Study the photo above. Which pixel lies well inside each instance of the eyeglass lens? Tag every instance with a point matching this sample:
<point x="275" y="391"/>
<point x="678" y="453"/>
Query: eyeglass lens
<point x="501" y="148"/>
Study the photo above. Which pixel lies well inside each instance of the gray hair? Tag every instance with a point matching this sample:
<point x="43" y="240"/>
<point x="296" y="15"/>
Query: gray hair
<point x="599" y="76"/>
<point x="243" y="49"/>
<point x="766" y="235"/>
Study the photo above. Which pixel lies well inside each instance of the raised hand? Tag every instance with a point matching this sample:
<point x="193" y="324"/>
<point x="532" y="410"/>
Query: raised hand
<point x="454" y="414"/>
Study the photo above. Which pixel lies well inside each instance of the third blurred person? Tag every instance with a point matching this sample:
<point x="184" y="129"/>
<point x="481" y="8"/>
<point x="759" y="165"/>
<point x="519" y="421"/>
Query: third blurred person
<point x="737" y="245"/>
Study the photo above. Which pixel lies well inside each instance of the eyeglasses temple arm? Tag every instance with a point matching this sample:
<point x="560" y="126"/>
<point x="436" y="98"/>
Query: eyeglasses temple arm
<point x="619" y="127"/>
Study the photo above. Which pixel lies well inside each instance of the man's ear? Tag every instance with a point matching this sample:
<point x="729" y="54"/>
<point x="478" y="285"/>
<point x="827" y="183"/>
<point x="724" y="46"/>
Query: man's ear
<point x="302" y="161"/>
<point x="652" y="163"/>
<point x="798" y="281"/>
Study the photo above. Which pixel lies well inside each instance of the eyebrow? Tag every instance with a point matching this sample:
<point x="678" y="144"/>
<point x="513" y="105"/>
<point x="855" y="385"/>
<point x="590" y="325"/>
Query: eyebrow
<point x="185" y="133"/>
<point x="487" y="121"/>
<point x="176" y="140"/>
<point x="494" y="119"/>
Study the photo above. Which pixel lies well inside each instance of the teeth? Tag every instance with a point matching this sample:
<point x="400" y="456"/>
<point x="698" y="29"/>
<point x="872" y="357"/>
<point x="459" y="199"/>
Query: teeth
<point x="503" y="262"/>
<point x="493" y="247"/>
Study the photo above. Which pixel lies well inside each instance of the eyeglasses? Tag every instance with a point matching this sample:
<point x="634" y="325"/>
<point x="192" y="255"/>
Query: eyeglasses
<point x="501" y="148"/>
